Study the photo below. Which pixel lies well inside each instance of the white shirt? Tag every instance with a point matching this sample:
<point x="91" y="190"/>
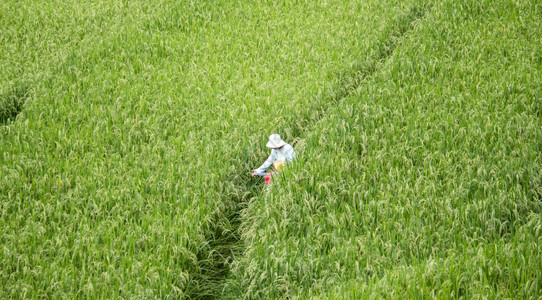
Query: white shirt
<point x="286" y="154"/>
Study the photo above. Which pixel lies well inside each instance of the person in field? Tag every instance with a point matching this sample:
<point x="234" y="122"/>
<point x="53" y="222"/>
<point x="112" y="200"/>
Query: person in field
<point x="281" y="154"/>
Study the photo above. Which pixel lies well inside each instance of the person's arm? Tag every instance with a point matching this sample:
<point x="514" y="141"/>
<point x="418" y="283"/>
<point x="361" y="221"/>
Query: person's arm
<point x="268" y="162"/>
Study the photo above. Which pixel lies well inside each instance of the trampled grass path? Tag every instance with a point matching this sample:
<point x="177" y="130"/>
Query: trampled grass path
<point x="222" y="234"/>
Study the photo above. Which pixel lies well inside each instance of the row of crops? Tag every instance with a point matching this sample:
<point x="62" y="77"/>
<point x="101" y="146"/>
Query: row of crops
<point x="425" y="181"/>
<point x="128" y="130"/>
<point x="140" y="124"/>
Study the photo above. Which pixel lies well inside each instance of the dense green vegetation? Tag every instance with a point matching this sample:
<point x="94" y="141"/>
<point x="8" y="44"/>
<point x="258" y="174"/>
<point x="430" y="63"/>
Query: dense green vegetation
<point x="426" y="181"/>
<point x="128" y="130"/>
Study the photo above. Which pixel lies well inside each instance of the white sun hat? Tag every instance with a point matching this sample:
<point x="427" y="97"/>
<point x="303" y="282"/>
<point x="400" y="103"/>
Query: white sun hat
<point x="275" y="141"/>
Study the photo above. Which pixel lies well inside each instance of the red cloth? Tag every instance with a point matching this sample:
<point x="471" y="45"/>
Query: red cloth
<point x="267" y="178"/>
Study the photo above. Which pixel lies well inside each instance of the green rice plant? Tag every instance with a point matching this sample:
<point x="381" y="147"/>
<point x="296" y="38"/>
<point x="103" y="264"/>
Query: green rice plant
<point x="424" y="181"/>
<point x="491" y="269"/>
<point x="123" y="174"/>
<point x="126" y="172"/>
<point x="11" y="103"/>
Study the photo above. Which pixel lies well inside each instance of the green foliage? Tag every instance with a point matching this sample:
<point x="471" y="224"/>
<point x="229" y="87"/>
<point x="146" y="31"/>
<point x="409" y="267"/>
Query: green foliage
<point x="126" y="173"/>
<point x="122" y="174"/>
<point x="11" y="103"/>
<point x="425" y="181"/>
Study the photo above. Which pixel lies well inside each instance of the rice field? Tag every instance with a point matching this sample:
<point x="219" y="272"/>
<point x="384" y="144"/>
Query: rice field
<point x="425" y="181"/>
<point x="128" y="130"/>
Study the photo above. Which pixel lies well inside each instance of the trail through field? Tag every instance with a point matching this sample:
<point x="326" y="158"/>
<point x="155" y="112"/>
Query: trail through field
<point x="222" y="229"/>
